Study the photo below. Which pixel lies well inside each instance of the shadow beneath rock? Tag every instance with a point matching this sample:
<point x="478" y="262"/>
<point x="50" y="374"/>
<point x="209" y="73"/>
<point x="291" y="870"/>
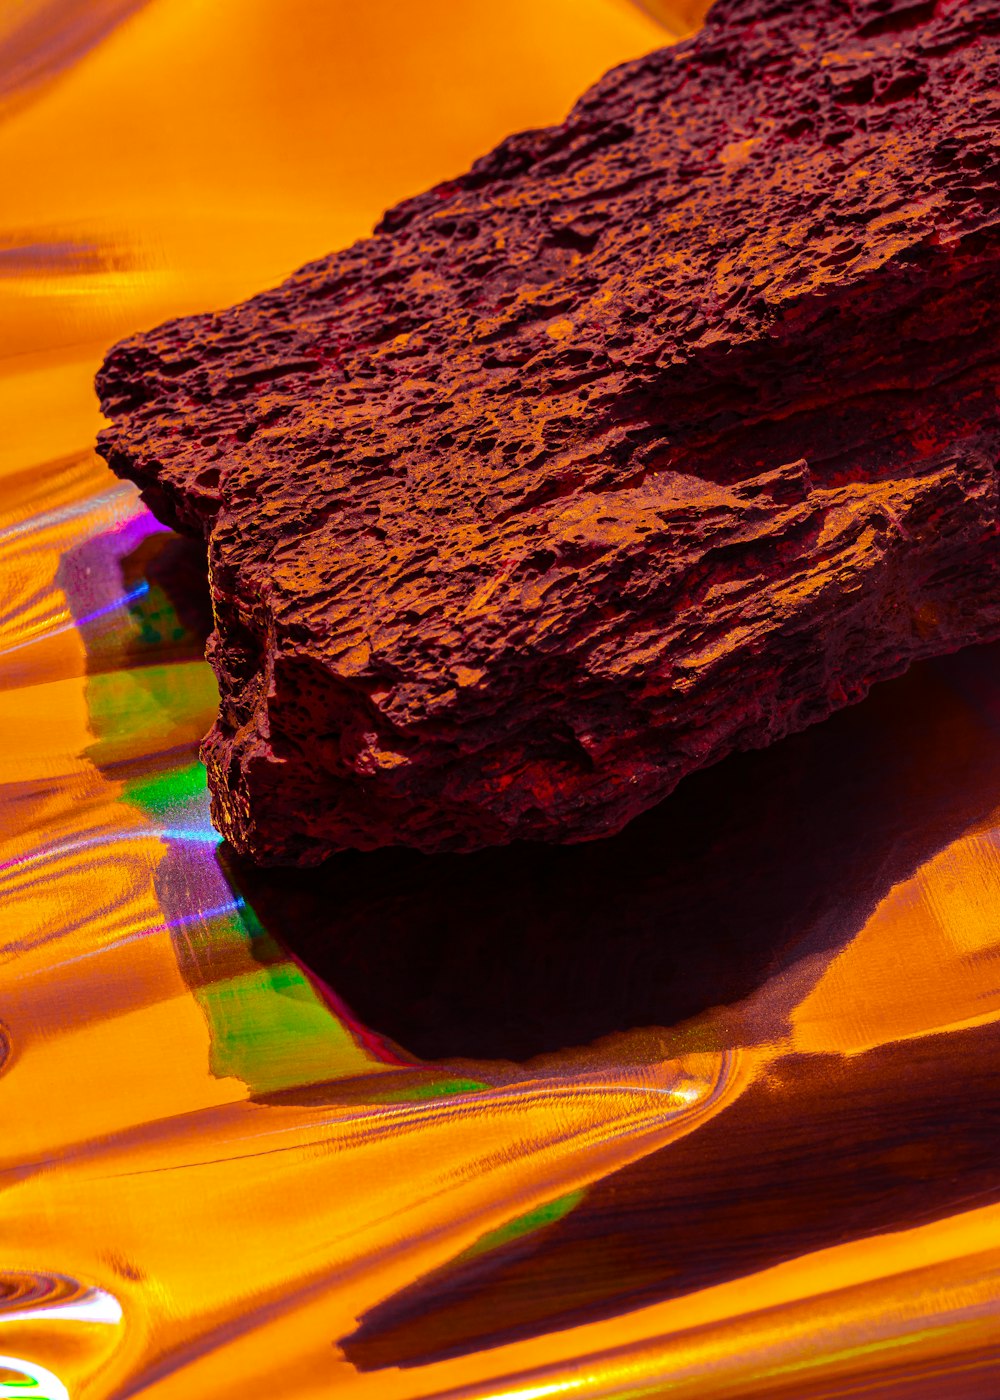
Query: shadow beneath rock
<point x="746" y="869"/>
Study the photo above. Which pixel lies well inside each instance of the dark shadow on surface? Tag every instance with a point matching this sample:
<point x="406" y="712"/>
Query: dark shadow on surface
<point x="830" y="1149"/>
<point x="826" y="1148"/>
<point x="747" y="867"/>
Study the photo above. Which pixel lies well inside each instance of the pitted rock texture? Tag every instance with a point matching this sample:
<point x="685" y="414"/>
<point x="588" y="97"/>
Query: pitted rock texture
<point x="657" y="435"/>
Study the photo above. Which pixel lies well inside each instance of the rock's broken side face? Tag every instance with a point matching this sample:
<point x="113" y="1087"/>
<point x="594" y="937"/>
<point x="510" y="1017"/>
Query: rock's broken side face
<point x="657" y="435"/>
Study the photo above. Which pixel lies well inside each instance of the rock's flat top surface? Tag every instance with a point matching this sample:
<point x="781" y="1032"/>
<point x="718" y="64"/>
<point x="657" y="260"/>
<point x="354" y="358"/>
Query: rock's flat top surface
<point x="658" y="434"/>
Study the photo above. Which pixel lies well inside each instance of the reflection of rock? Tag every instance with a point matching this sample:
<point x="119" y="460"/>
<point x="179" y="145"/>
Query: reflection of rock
<point x="177" y="617"/>
<point x="655" y="436"/>
<point x="770" y="861"/>
<point x="138" y="595"/>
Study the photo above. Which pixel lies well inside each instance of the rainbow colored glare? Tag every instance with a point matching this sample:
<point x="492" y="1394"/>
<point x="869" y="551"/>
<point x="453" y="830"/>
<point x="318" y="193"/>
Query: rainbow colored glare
<point x="216" y="1182"/>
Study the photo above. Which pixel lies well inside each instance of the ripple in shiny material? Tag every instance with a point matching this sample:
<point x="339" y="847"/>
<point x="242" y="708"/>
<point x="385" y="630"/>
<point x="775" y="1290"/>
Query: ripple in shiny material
<point x="30" y="1294"/>
<point x="30" y="1290"/>
<point x="21" y="1378"/>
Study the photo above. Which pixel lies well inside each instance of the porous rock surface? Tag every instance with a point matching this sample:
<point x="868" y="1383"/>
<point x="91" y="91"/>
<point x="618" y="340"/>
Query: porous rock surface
<point x="658" y="434"/>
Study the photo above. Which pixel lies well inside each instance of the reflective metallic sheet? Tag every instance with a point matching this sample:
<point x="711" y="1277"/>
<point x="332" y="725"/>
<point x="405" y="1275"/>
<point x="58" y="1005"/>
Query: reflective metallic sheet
<point x="708" y="1111"/>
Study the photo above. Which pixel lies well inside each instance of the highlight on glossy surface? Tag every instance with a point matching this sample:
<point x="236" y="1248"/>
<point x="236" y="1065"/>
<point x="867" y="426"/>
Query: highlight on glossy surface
<point x="219" y="1176"/>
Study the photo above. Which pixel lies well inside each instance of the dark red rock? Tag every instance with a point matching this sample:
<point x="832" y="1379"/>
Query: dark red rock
<point x="659" y="434"/>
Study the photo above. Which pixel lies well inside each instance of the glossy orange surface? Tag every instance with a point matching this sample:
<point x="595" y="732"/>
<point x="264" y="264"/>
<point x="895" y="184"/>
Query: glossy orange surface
<point x="217" y="1180"/>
